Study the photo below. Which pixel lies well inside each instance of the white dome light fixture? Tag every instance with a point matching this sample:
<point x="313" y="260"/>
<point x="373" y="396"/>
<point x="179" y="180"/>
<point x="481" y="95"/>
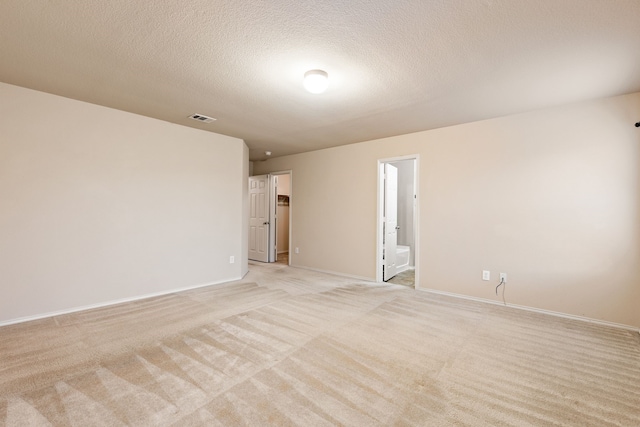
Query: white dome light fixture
<point x="316" y="81"/>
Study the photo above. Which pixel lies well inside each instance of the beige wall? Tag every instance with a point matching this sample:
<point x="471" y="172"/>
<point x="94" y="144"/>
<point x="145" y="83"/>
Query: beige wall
<point x="550" y="197"/>
<point x="283" y="184"/>
<point x="100" y="205"/>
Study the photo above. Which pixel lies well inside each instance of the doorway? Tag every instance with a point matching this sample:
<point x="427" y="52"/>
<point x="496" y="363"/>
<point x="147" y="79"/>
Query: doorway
<point x="283" y="217"/>
<point x="397" y="243"/>
<point x="270" y="217"/>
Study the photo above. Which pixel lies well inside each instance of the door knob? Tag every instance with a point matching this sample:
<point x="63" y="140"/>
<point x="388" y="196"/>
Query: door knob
<point x="397" y="227"/>
<point x="265" y="223"/>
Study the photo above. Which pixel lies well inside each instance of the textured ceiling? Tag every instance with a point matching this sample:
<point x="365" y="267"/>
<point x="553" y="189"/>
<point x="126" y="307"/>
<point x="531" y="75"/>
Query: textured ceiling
<point x="395" y="66"/>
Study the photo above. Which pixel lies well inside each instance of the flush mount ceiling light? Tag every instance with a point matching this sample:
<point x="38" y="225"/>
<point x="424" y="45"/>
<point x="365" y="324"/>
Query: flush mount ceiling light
<point x="316" y="81"/>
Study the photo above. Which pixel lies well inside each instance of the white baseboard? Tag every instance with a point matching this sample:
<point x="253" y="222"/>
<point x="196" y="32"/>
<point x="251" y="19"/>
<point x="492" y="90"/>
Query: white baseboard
<point x="109" y="303"/>
<point x="536" y="310"/>
<point x="334" y="273"/>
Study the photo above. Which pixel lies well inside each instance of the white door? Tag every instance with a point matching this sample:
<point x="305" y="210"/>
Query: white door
<point x="259" y="218"/>
<point x="390" y="223"/>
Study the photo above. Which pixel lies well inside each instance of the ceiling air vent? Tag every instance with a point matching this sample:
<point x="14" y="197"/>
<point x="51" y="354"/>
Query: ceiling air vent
<point x="201" y="118"/>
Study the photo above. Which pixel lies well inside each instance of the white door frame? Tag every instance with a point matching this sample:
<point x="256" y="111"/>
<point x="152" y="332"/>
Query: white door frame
<point x="290" y="173"/>
<point x="416" y="217"/>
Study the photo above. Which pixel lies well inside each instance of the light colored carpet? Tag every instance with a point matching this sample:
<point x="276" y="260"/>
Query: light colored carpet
<point x="293" y="347"/>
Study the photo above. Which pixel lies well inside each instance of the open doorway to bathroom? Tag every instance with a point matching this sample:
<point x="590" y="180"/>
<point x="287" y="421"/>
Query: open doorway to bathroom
<point x="397" y="243"/>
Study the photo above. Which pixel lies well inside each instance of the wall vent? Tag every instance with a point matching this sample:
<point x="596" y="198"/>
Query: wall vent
<point x="201" y="118"/>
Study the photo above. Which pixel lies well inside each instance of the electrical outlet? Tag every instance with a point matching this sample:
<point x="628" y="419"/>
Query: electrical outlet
<point x="232" y="259"/>
<point x="297" y="250"/>
<point x="503" y="277"/>
<point x="486" y="275"/>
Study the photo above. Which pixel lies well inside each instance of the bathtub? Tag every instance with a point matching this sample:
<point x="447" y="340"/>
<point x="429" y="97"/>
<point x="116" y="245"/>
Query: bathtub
<point x="402" y="258"/>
